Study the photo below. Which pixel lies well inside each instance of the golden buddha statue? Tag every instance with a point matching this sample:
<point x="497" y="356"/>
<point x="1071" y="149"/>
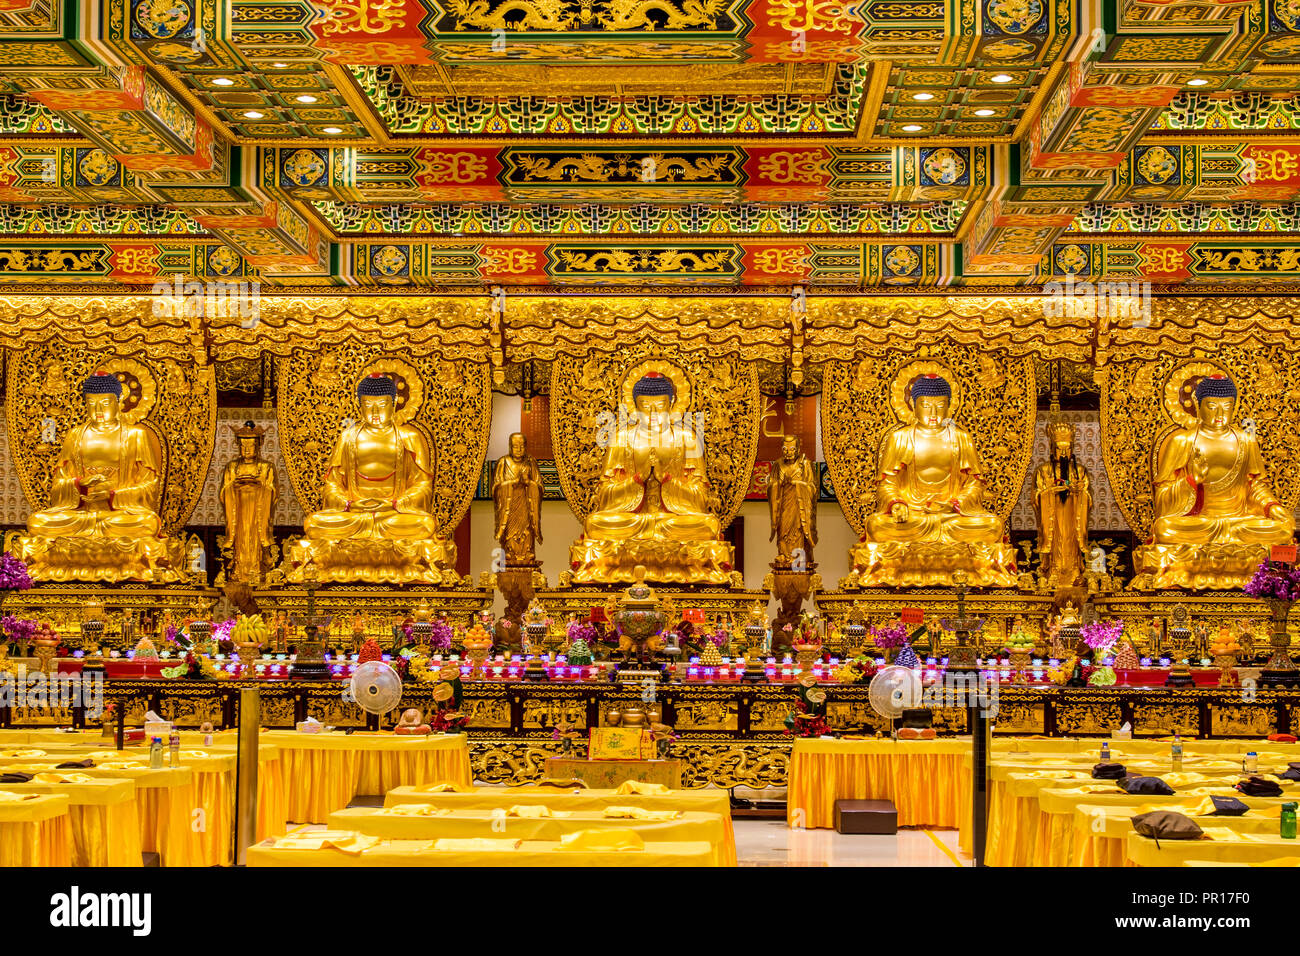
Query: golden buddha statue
<point x="248" y="493"/>
<point x="930" y="519"/>
<point x="1215" y="515"/>
<point x="517" y="497"/>
<point x="653" y="504"/>
<point x="102" y="521"/>
<point x="375" y="523"/>
<point x="792" y="505"/>
<point x="1062" y="501"/>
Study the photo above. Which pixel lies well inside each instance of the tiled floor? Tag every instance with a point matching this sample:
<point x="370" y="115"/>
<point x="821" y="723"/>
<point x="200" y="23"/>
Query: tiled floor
<point x="772" y="843"/>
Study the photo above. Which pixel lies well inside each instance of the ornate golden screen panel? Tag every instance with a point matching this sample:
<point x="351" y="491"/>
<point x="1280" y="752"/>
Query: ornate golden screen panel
<point x="1143" y="400"/>
<point x="450" y="401"/>
<point x="177" y="402"/>
<point x="994" y="398"/>
<point x="585" y="397"/>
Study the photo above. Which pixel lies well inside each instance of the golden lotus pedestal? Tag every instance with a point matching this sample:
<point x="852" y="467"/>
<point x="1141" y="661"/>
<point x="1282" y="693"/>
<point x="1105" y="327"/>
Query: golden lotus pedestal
<point x="111" y="560"/>
<point x="371" y="561"/>
<point x="922" y="564"/>
<point x="63" y="607"/>
<point x="593" y="561"/>
<point x="1219" y="567"/>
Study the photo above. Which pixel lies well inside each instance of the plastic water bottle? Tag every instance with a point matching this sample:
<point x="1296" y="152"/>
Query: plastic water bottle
<point x="1176" y="753"/>
<point x="1287" y="828"/>
<point x="1105" y="751"/>
<point x="155" y="754"/>
<point x="1251" y="763"/>
<point x="174" y="748"/>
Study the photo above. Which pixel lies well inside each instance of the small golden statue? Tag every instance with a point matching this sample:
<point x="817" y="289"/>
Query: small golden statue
<point x="1062" y="502"/>
<point x="102" y="521"/>
<point x="792" y="497"/>
<point x="653" y="504"/>
<point x="1215" y="515"/>
<point x="930" y="520"/>
<point x="375" y="523"/>
<point x="517" y="497"/>
<point x="248" y="493"/>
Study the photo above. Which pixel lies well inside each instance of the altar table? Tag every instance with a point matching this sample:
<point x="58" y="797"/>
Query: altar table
<point x="927" y="780"/>
<point x="578" y="800"/>
<point x="102" y="812"/>
<point x="36" y="831"/>
<point x="690" y="826"/>
<point x="404" y="853"/>
<point x="324" y="771"/>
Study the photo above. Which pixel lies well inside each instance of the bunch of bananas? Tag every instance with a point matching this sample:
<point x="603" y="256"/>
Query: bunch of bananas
<point x="250" y="630"/>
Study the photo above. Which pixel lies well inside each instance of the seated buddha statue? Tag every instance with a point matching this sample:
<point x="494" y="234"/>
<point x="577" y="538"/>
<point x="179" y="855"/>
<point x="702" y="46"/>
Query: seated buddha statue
<point x="102" y="521"/>
<point x="930" y="519"/>
<point x="653" y="503"/>
<point x="1215" y="515"/>
<point x="375" y="523"/>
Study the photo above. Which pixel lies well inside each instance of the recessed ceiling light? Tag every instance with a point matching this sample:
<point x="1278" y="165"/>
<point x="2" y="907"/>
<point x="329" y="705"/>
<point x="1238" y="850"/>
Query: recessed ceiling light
<point x="279" y="66"/>
<point x="223" y="81"/>
<point x="305" y="98"/>
<point x="985" y="112"/>
<point x="1197" y="82"/>
<point x="1000" y="78"/>
<point x="332" y="130"/>
<point x="911" y="128"/>
<point x="922" y="96"/>
<point x="253" y="114"/>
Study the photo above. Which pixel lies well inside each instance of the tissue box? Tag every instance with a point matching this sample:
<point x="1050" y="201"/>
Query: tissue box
<point x="309" y="727"/>
<point x="158" y="728"/>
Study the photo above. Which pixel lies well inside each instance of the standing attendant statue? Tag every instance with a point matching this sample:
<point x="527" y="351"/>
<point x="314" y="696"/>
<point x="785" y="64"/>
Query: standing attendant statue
<point x="791" y="497"/>
<point x="517" y="497"/>
<point x="1062" y="501"/>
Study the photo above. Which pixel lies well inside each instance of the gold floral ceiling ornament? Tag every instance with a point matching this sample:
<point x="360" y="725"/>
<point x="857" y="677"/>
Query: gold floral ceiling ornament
<point x="994" y="398"/>
<point x="1142" y="400"/>
<point x="587" y="392"/>
<point x="176" y="401"/>
<point x="450" y="401"/>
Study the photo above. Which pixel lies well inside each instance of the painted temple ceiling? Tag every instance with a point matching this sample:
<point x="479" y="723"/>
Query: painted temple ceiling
<point x="407" y="145"/>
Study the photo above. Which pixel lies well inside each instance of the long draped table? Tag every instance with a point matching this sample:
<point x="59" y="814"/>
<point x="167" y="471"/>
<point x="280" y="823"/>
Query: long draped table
<point x="35" y="830"/>
<point x="103" y="819"/>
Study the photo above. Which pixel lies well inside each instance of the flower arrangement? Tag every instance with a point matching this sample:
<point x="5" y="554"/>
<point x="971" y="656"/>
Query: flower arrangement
<point x="1101" y="635"/>
<point x="195" y="667"/>
<point x="440" y="634"/>
<point x="577" y="630"/>
<point x="719" y="638"/>
<point x="13" y="574"/>
<point x="1272" y="583"/>
<point x="888" y="637"/>
<point x="17" y="629"/>
<point x="805" y="632"/>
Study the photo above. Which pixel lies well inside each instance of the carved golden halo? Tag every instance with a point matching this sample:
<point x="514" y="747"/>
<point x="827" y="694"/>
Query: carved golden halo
<point x="1180" y="390"/>
<point x="900" y="392"/>
<point x="410" y="390"/>
<point x="139" y="390"/>
<point x="682" y="383"/>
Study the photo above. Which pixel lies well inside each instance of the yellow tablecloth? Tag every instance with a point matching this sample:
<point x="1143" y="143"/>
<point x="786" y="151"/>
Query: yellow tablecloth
<point x="102" y="812"/>
<point x="1224" y="846"/>
<point x="579" y="801"/>
<point x="689" y="827"/>
<point x="530" y="853"/>
<point x="928" y="780"/>
<point x="323" y="772"/>
<point x="1100" y="831"/>
<point x="36" y="831"/>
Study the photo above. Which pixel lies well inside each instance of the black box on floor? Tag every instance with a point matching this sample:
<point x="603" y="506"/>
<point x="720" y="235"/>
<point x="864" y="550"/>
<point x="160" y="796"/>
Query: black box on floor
<point x="866" y="816"/>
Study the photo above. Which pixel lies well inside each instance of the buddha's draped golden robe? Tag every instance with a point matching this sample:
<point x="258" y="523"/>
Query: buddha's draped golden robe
<point x="678" y="510"/>
<point x="404" y="483"/>
<point x="1232" y="509"/>
<point x="949" y="509"/>
<point x="130" y="512"/>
